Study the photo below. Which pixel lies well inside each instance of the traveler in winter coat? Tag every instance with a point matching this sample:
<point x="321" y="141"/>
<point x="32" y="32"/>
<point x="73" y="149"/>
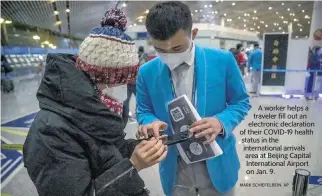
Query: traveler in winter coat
<point x="76" y="145"/>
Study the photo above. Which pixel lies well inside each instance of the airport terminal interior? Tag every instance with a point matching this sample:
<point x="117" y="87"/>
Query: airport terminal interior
<point x="288" y="35"/>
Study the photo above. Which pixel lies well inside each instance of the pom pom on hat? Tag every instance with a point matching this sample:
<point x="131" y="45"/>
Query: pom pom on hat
<point x="108" y="55"/>
<point x="114" y="18"/>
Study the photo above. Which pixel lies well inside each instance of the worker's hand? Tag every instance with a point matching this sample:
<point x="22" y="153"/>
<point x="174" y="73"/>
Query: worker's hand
<point x="156" y="127"/>
<point x="148" y="153"/>
<point x="210" y="127"/>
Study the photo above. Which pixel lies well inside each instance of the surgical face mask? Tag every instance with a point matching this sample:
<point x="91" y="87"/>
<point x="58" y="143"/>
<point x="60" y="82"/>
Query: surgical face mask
<point x="175" y="59"/>
<point x="118" y="93"/>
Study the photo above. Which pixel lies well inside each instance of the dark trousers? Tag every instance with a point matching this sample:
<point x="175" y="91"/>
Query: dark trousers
<point x="131" y="89"/>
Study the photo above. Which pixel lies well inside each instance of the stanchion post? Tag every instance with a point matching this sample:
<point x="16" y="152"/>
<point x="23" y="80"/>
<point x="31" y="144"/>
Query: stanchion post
<point x="300" y="182"/>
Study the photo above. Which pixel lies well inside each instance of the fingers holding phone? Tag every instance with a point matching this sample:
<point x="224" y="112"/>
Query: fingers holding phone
<point x="148" y="153"/>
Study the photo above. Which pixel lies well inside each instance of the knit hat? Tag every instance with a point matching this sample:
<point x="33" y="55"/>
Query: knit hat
<point x="109" y="56"/>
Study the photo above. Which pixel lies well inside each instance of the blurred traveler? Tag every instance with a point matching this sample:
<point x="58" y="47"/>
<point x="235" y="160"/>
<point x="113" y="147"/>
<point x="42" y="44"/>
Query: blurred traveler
<point x="76" y="143"/>
<point x="241" y="58"/>
<point x="314" y="64"/>
<point x="131" y="88"/>
<point x="6" y="83"/>
<point x="212" y="80"/>
<point x="255" y="64"/>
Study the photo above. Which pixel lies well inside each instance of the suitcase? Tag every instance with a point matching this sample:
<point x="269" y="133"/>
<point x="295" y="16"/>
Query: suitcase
<point x="7" y="86"/>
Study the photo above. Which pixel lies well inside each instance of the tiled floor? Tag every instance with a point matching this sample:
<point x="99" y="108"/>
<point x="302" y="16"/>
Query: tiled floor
<point x="23" y="101"/>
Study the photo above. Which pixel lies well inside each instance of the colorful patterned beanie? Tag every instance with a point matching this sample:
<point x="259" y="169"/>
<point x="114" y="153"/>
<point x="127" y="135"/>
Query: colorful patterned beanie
<point x="108" y="55"/>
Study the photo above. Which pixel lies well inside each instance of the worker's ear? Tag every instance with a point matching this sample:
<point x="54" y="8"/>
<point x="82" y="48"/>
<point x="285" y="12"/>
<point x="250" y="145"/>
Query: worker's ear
<point x="194" y="33"/>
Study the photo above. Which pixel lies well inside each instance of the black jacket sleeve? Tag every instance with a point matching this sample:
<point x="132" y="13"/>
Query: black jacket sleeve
<point x="58" y="166"/>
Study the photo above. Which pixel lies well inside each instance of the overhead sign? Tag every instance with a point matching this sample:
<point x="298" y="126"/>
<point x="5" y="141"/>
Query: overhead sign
<point x="23" y="122"/>
<point x="274" y="58"/>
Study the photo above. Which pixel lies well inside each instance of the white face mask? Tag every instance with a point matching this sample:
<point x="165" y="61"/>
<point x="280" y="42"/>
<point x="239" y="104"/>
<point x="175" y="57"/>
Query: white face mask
<point x="119" y="93"/>
<point x="175" y="59"/>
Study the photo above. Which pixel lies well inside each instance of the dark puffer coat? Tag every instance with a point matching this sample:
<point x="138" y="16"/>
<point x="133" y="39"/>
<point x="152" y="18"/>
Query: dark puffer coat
<point x="76" y="145"/>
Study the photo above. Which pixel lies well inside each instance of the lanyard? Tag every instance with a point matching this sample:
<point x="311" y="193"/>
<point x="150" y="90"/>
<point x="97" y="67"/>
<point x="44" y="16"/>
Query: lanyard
<point x="194" y="85"/>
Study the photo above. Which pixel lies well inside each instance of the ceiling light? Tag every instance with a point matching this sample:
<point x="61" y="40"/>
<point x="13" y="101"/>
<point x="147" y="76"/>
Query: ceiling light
<point x="191" y="14"/>
<point x="245" y="14"/>
<point x="283" y="32"/>
<point x="16" y="35"/>
<point x="308" y="22"/>
<point x="36" y="37"/>
<point x="196" y="11"/>
<point x="299" y="25"/>
<point x="67" y="10"/>
<point x="238" y="17"/>
<point x="50" y="45"/>
<point x="273" y="29"/>
<point x="295" y="20"/>
<point x="270" y="8"/>
<point x="222" y="0"/>
<point x="233" y="4"/>
<point x="266" y="25"/>
<point x="225" y="14"/>
<point x="56" y="12"/>
<point x="1" y="20"/>
<point x="244" y="20"/>
<point x="46" y="42"/>
<point x="300" y="29"/>
<point x="288" y="9"/>
<point x="255" y="11"/>
<point x="200" y="10"/>
<point x="307" y="17"/>
<point x="282" y="17"/>
<point x="279" y="28"/>
<point x="147" y="11"/>
<point x="282" y="3"/>
<point x="217" y="1"/>
<point x="216" y="12"/>
<point x="210" y="5"/>
<point x="206" y="6"/>
<point x="244" y="25"/>
<point x="296" y="36"/>
<point x="58" y="22"/>
<point x="299" y="5"/>
<point x="277" y="24"/>
<point x="8" y="22"/>
<point x="124" y="4"/>
<point x="134" y="24"/>
<point x="42" y="46"/>
<point x="303" y="11"/>
<point x="140" y="20"/>
<point x="258" y="27"/>
<point x="53" y="47"/>
<point x="276" y="12"/>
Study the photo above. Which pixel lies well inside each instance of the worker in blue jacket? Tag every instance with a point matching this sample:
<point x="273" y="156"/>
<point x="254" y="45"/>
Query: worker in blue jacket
<point x="219" y="96"/>
<point x="255" y="64"/>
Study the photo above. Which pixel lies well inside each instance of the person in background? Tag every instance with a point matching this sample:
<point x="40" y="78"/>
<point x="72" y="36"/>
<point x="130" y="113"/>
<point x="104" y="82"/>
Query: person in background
<point x="241" y="59"/>
<point x="75" y="145"/>
<point x="219" y="94"/>
<point x="131" y="88"/>
<point x="255" y="64"/>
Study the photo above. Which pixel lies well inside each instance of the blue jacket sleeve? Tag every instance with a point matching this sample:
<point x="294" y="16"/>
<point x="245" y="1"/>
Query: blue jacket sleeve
<point x="237" y="98"/>
<point x="145" y="113"/>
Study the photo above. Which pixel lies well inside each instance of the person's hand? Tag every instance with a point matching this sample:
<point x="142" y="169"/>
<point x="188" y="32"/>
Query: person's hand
<point x="210" y="127"/>
<point x="148" y="153"/>
<point x="156" y="126"/>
